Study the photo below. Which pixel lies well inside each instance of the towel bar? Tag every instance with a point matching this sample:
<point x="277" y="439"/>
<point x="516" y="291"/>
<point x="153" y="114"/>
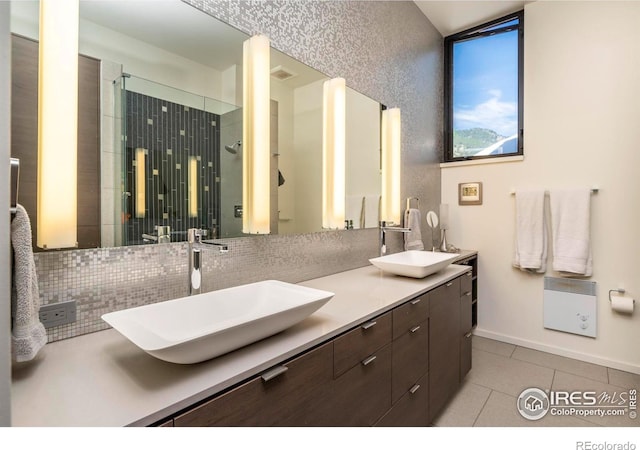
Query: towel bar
<point x="594" y="190"/>
<point x="15" y="176"/>
<point x="409" y="202"/>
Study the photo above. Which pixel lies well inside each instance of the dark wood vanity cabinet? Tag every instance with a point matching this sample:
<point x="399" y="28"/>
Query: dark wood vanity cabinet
<point x="282" y="396"/>
<point x="362" y="395"/>
<point x="361" y="391"/>
<point x="397" y="369"/>
<point x="468" y="310"/>
<point x="353" y="347"/>
<point x="444" y="345"/>
<point x="412" y="409"/>
<point x="410" y="365"/>
<point x="471" y="259"/>
<point x="466" y="323"/>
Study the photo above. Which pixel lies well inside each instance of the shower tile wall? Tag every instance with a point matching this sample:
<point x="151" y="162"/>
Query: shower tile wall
<point x="387" y="50"/>
<point x="171" y="134"/>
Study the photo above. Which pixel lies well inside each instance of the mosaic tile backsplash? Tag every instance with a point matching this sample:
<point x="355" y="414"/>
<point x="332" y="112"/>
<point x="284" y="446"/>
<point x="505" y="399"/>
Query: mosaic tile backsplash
<point x="104" y="280"/>
<point x="388" y="51"/>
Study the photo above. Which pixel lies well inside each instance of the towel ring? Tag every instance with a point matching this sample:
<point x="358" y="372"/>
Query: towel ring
<point x="15" y="177"/>
<point x="409" y="202"/>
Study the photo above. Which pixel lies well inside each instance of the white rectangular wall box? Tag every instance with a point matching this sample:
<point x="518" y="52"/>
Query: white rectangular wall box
<point x="570" y="306"/>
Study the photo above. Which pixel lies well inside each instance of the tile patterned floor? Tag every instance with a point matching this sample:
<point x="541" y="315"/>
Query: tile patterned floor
<point x="487" y="397"/>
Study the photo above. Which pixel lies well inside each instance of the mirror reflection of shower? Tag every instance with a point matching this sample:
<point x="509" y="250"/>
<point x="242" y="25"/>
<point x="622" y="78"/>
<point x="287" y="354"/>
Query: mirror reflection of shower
<point x="179" y="184"/>
<point x="233" y="149"/>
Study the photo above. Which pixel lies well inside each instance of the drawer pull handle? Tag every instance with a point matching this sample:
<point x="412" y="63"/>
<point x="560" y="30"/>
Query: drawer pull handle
<point x="414" y="329"/>
<point x="450" y="284"/>
<point x="369" y="360"/>
<point x="273" y="373"/>
<point x="416" y="301"/>
<point x="468" y="335"/>
<point x="414" y="389"/>
<point x="468" y="294"/>
<point x="368" y="325"/>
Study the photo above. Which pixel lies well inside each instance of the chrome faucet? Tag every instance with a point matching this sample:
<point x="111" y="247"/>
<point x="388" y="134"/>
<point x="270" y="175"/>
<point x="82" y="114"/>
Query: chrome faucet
<point x="194" y="237"/>
<point x="162" y="236"/>
<point x="384" y="227"/>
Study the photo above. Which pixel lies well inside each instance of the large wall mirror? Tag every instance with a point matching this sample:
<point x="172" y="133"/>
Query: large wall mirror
<point x="160" y="115"/>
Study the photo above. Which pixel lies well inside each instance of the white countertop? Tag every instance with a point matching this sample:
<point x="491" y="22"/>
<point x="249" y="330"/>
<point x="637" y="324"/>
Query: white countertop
<point x="102" y="379"/>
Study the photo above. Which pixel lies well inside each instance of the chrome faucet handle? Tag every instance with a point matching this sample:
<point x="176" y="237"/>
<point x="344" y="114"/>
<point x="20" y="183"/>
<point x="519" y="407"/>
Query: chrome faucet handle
<point x="390" y="226"/>
<point x="194" y="235"/>
<point x="224" y="248"/>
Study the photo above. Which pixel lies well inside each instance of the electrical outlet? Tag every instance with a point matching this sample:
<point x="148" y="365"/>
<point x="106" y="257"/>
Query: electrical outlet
<point x="58" y="314"/>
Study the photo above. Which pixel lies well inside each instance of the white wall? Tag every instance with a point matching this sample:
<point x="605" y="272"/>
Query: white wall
<point x="5" y="303"/>
<point x="581" y="125"/>
<point x="307" y="139"/>
<point x="152" y="63"/>
<point x="283" y="142"/>
<point x="363" y="178"/>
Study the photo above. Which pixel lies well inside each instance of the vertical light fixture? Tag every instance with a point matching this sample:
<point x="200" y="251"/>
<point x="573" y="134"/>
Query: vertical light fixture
<point x="193" y="186"/>
<point x="256" y="140"/>
<point x="333" y="153"/>
<point x="58" y="124"/>
<point x="140" y="183"/>
<point x="391" y="140"/>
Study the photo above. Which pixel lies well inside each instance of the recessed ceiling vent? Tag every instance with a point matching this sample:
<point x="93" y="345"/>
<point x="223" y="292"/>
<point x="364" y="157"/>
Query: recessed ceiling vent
<point x="282" y="73"/>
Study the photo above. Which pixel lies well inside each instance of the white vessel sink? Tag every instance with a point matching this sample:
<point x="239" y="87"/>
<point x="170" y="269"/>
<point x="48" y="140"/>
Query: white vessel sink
<point x="193" y="329"/>
<point x="414" y="263"/>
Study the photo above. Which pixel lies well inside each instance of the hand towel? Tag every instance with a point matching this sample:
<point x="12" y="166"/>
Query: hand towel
<point x="412" y="239"/>
<point x="531" y="232"/>
<point x="28" y="335"/>
<point x="570" y="217"/>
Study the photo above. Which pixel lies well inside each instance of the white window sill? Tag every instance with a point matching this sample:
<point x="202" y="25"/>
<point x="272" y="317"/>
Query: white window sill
<point x="477" y="162"/>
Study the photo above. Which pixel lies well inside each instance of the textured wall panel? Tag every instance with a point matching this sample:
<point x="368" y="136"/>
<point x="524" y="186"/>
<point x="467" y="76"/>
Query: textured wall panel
<point x="387" y="50"/>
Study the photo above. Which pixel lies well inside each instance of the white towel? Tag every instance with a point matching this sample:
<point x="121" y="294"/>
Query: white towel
<point x="412" y="239"/>
<point x="531" y="232"/>
<point x="570" y="217"/>
<point x="28" y="335"/>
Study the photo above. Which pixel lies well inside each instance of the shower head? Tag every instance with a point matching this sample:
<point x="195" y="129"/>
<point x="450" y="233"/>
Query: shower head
<point x="232" y="148"/>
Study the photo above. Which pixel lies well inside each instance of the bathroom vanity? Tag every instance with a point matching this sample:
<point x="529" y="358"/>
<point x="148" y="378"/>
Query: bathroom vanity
<point x="385" y="351"/>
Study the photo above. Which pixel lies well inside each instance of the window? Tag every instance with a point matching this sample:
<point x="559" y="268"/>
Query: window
<point x="483" y="90"/>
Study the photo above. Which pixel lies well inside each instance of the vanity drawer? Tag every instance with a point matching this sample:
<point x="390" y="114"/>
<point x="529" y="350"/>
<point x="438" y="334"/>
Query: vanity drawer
<point x="353" y="347"/>
<point x="283" y="396"/>
<point x="466" y="282"/>
<point x="410" y="359"/>
<point x="444" y="345"/>
<point x="361" y="395"/>
<point x="410" y="314"/>
<point x="412" y="409"/>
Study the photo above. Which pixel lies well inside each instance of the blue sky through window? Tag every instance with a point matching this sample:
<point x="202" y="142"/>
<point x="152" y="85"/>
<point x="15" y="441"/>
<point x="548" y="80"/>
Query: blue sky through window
<point x="485" y="87"/>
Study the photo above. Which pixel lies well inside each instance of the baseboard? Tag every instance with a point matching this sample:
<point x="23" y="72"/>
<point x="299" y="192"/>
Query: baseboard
<point x="558" y="351"/>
